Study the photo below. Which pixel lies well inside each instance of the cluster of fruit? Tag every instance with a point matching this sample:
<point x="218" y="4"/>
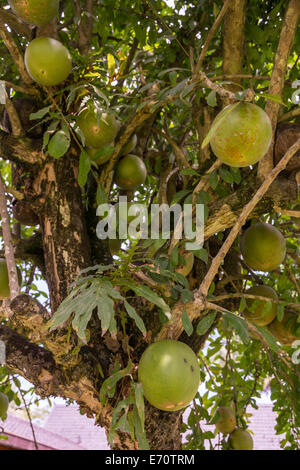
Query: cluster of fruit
<point x="49" y="63"/>
<point x="241" y="136"/>
<point x="239" y="439"/>
<point x="263" y="248"/>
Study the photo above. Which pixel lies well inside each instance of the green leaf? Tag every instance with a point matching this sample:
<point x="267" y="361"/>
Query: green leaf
<point x="238" y="324"/>
<point x="236" y="174"/>
<point x="59" y="144"/>
<point x="201" y="254"/>
<point x="203" y="197"/>
<point x="280" y="312"/>
<point x="268" y="337"/>
<point x="111" y="64"/>
<point x="189" y="172"/>
<point x="103" y="152"/>
<point x="275" y="98"/>
<point x="186" y="323"/>
<point x="106" y="310"/>
<point x="84" y="168"/>
<point x="147" y="293"/>
<point x="205" y="323"/>
<point x="243" y="305"/>
<point x="211" y="98"/>
<point x="109" y="385"/>
<point x="139" y="403"/>
<point x="40" y="114"/>
<point x="101" y="196"/>
<point x="226" y="175"/>
<point x="180" y="195"/>
<point x="187" y="296"/>
<point x="213" y="179"/>
<point x="140" y="435"/>
<point x="134" y="315"/>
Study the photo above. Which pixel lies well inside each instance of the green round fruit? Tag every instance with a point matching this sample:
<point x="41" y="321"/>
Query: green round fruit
<point x="129" y="146"/>
<point x="4" y="402"/>
<point x="283" y="330"/>
<point x="169" y="373"/>
<point x="38" y="12"/>
<point x="243" y="134"/>
<point x="4" y="282"/>
<point x="100" y="160"/>
<point x="227" y="422"/>
<point x="296" y="220"/>
<point x="258" y="316"/>
<point x="98" y="129"/>
<point x="263" y="247"/>
<point x="241" y="440"/>
<point x="130" y="172"/>
<point x="48" y="61"/>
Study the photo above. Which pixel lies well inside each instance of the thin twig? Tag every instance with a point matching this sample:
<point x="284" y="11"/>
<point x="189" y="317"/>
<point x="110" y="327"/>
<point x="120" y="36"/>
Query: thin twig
<point x="29" y="416"/>
<point x="290" y="115"/>
<point x="15" y="53"/>
<point x="210" y="35"/>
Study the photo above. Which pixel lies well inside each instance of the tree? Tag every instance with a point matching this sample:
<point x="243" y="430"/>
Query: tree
<point x="164" y="71"/>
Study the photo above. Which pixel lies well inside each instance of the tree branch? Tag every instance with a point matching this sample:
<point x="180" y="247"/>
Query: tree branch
<point x="85" y="25"/>
<point x="16" y="126"/>
<point x="37" y="365"/>
<point x="210" y="35"/>
<point x="17" y="25"/>
<point x="9" y="250"/>
<point x="286" y="39"/>
<point x="233" y="40"/>
<point x="21" y="150"/>
<point x="290" y="115"/>
<point x="15" y="53"/>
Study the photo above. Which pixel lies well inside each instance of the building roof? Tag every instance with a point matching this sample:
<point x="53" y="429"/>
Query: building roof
<point x="20" y="436"/>
<point x="68" y="421"/>
<point x="67" y="429"/>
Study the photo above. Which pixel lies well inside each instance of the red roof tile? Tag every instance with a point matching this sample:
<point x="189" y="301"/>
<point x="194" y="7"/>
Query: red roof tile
<point x="20" y="436"/>
<point x="67" y="421"/>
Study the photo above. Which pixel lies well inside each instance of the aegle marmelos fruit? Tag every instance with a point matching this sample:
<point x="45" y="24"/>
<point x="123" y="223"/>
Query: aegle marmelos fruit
<point x="258" y="316"/>
<point x="242" y="135"/>
<point x="38" y="12"/>
<point x="48" y="61"/>
<point x="263" y="247"/>
<point x="227" y="421"/>
<point x="284" y="330"/>
<point x="4" y="402"/>
<point x="169" y="373"/>
<point x="130" y="172"/>
<point x="4" y="281"/>
<point x="98" y="129"/>
<point x="241" y="439"/>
